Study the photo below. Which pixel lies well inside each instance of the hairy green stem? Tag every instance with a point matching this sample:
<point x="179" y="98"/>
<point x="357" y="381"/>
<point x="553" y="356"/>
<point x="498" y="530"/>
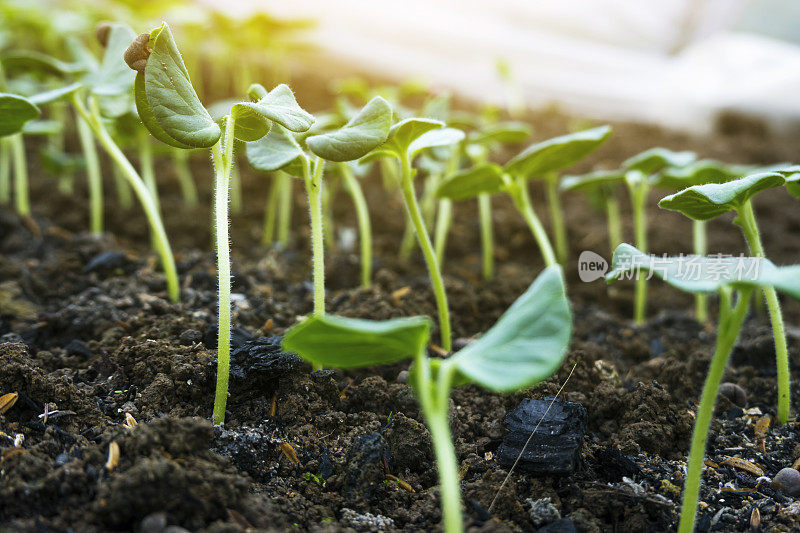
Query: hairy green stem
<point x="94" y="178"/>
<point x="123" y="190"/>
<point x="519" y="194"/>
<point x="5" y="171"/>
<point x="160" y="240"/>
<point x="557" y="218"/>
<point x="223" y="159"/>
<point x="614" y="221"/>
<point x="747" y="220"/>
<point x="364" y="223"/>
<point x="639" y="190"/>
<point x="286" y="204"/>
<point x="730" y="322"/>
<point x="328" y="194"/>
<point x="434" y="398"/>
<point x="313" y="183"/>
<point x="180" y="162"/>
<point x="700" y="248"/>
<point x="487" y="235"/>
<point x="444" y="219"/>
<point x="21" y="199"/>
<point x="236" y="189"/>
<point x="428" y="201"/>
<point x="412" y="207"/>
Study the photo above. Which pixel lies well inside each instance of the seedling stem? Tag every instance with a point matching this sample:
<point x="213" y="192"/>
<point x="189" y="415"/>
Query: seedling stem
<point x="557" y="217"/>
<point x="700" y="248"/>
<point x="487" y="235"/>
<point x="95" y="180"/>
<point x="364" y="224"/>
<point x="412" y="207"/>
<point x="518" y="189"/>
<point x="20" y="174"/>
<point x="313" y="183"/>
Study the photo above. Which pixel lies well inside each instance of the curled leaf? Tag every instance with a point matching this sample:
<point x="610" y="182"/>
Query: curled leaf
<point x="363" y="133"/>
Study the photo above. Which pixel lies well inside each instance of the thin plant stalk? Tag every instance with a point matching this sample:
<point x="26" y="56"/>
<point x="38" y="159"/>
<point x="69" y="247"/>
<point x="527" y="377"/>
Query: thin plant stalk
<point x="180" y="162"/>
<point x="328" y="193"/>
<point x="407" y="244"/>
<point x="364" y="223"/>
<point x="638" y="193"/>
<point x="730" y="322"/>
<point x="747" y="220"/>
<point x="236" y="189"/>
<point x="123" y="190"/>
<point x="93" y="176"/>
<point x="435" y="401"/>
<point x="313" y="184"/>
<point x="444" y="219"/>
<point x="146" y="164"/>
<point x="160" y="241"/>
<point x="519" y="194"/>
<point x="557" y="218"/>
<point x="271" y="212"/>
<point x="222" y="157"/>
<point x="5" y="171"/>
<point x="700" y="241"/>
<point x="614" y="221"/>
<point x="21" y="198"/>
<point x="286" y="205"/>
<point x="424" y="240"/>
<point x="487" y="235"/>
<point x="428" y="201"/>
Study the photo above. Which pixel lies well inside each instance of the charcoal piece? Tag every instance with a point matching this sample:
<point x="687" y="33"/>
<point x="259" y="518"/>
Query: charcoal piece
<point x="563" y="525"/>
<point x="555" y="445"/>
<point x="259" y="363"/>
<point x="106" y="263"/>
<point x="613" y="465"/>
<point x="364" y="470"/>
<point x="239" y="336"/>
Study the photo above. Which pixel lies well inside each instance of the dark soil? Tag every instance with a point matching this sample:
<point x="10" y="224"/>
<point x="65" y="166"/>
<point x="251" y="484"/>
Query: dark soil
<point x="88" y="338"/>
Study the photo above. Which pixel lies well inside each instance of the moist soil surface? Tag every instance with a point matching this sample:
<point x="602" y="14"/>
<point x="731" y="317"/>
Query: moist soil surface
<point x="88" y="338"/>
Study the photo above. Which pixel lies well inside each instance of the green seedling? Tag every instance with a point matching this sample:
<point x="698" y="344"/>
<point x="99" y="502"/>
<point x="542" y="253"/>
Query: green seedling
<point x="407" y="139"/>
<point x="706" y="202"/>
<point x="542" y="159"/>
<point x="170" y="109"/>
<point x="698" y="173"/>
<point x="601" y="186"/>
<point x="734" y="279"/>
<point x="524" y="347"/>
<point x="350" y="174"/>
<point x="281" y="150"/>
<point x="15" y="112"/>
<point x="640" y="172"/>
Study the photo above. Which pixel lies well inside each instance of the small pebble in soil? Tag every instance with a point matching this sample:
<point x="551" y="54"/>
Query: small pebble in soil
<point x="364" y="468"/>
<point x="554" y="447"/>
<point x="542" y="511"/>
<point x="402" y="377"/>
<point x="365" y="521"/>
<point x="106" y="263"/>
<point x="78" y="348"/>
<point x="734" y="393"/>
<point x="787" y="481"/>
<point x="190" y="336"/>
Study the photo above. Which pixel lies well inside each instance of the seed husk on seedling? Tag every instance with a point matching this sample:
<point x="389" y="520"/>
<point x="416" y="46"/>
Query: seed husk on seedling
<point x="406" y="140"/>
<point x="640" y="171"/>
<point x="706" y="202"/>
<point x="524" y="347"/>
<point x="734" y="281"/>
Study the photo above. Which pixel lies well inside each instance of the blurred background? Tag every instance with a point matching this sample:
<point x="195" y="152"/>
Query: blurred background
<point x="682" y="64"/>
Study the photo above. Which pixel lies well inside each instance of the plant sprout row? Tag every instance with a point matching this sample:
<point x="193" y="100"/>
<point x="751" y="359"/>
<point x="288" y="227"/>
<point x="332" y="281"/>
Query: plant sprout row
<point x="139" y="88"/>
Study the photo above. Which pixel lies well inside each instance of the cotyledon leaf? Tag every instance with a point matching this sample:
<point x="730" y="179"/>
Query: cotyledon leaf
<point x="368" y="129"/>
<point x="15" y="111"/>
<point x="557" y="153"/>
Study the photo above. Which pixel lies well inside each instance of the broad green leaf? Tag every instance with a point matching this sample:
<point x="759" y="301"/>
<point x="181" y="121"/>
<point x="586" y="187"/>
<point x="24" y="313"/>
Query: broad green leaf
<point x="148" y="119"/>
<point x="55" y="94"/>
<point x="278" y="150"/>
<point x="704" y="202"/>
<point x="793" y="184"/>
<point x="706" y="274"/>
<point x="363" y="133"/>
<point x="527" y="344"/>
<point x="487" y="178"/>
<point x="340" y="342"/>
<point x="792" y="175"/>
<point x="557" y="153"/>
<point x="15" y="111"/>
<point x="250" y="124"/>
<point x="698" y="173"/>
<point x="279" y="105"/>
<point x="656" y="159"/>
<point x="592" y="180"/>
<point x="434" y="139"/>
<point x="401" y="135"/>
<point x="502" y="133"/>
<point x="170" y="99"/>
